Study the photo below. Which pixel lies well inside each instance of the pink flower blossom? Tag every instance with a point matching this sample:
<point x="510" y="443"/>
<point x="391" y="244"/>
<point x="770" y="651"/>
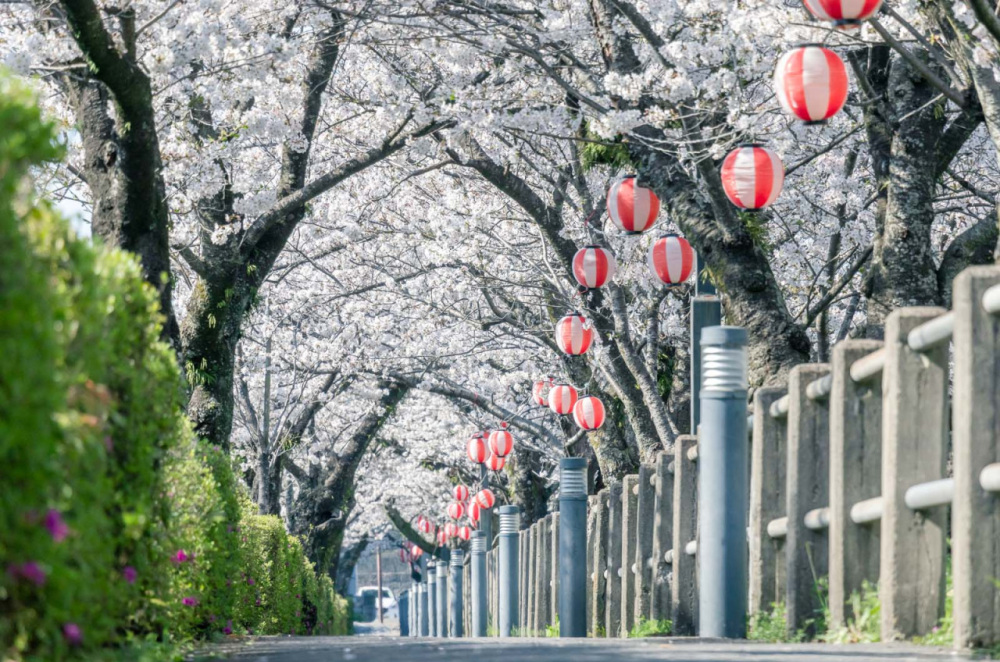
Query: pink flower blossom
<point x="56" y="526"/>
<point x="180" y="557"/>
<point x="189" y="602"/>
<point x="229" y="627"/>
<point x="28" y="571"/>
<point x="130" y="574"/>
<point x="73" y="634"/>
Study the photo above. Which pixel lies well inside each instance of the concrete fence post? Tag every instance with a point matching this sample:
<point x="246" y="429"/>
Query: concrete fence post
<point x="570" y="524"/>
<point x="442" y="599"/>
<point x="914" y="450"/>
<point x="510" y="525"/>
<point x="855" y="475"/>
<point x="630" y="532"/>
<point x="554" y="523"/>
<point x="613" y="599"/>
<point x="806" y="489"/>
<point x="598" y="535"/>
<point x="684" y="584"/>
<point x="477" y="554"/>
<point x="723" y="484"/>
<point x="644" y="542"/>
<point x="522" y="608"/>
<point x="767" y="502"/>
<point x="532" y="563"/>
<point x="467" y="587"/>
<point x="975" y="518"/>
<point x="404" y="614"/>
<point x="432" y="609"/>
<point x="544" y="573"/>
<point x="663" y="534"/>
<point x="424" y="625"/>
<point x="455" y="592"/>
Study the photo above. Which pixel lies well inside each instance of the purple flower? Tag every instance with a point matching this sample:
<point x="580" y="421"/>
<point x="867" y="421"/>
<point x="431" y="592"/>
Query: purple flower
<point x="229" y="627"/>
<point x="109" y="444"/>
<point x="73" y="634"/>
<point x="189" y="602"/>
<point x="56" y="526"/>
<point x="29" y="571"/>
<point x="130" y="574"/>
<point x="250" y="581"/>
<point x="211" y="618"/>
<point x="258" y="602"/>
<point x="180" y="557"/>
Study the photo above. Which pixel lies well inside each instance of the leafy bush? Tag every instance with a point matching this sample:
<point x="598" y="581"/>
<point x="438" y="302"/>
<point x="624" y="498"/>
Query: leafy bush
<point x="771" y="626"/>
<point x="118" y="525"/>
<point x="865" y="625"/>
<point x="645" y="627"/>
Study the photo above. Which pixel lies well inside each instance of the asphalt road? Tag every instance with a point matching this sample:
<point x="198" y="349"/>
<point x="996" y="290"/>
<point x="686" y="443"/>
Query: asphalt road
<point x="391" y="649"/>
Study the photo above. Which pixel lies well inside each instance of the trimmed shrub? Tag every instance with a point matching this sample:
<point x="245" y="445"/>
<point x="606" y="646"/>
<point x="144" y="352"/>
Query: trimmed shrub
<point x="117" y="523"/>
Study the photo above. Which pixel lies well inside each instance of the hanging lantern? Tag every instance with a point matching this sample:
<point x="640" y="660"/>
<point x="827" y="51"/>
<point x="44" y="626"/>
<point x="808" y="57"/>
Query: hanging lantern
<point x="574" y="334"/>
<point x="594" y="266"/>
<point x="416" y="552"/>
<point x="442" y="538"/>
<point x="486" y="498"/>
<point x="540" y="391"/>
<point x="461" y="493"/>
<point x="843" y="13"/>
<point x="631" y="207"/>
<point x="752" y="176"/>
<point x="811" y="83"/>
<point x="588" y="412"/>
<point x="501" y="441"/>
<point x="671" y="259"/>
<point x="476" y="449"/>
<point x="464" y="533"/>
<point x="496" y="462"/>
<point x="456" y="510"/>
<point x="425" y="525"/>
<point x="474" y="508"/>
<point x="562" y="397"/>
<point x="450" y="530"/>
<point x="404" y="556"/>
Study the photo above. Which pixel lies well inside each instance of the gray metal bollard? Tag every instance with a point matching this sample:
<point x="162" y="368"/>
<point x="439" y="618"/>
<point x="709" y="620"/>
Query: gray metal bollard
<point x="455" y="624"/>
<point x="723" y="477"/>
<point x="572" y="547"/>
<point x="442" y="599"/>
<point x="510" y="524"/>
<point x="478" y="582"/>
<point x="431" y="590"/>
<point x="404" y="614"/>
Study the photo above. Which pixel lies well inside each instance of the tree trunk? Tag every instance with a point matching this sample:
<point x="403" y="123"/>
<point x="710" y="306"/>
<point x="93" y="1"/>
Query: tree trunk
<point x="527" y="488"/>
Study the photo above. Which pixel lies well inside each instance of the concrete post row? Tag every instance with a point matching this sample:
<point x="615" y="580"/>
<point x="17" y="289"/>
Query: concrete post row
<point x="767" y="502"/>
<point x="975" y="517"/>
<point x="684" y="590"/>
<point x="643" y="576"/>
<point x="914" y="450"/>
<point x="662" y="539"/>
<point x="855" y="475"/>
<point x="597" y="534"/>
<point x="806" y="489"/>
<point x="613" y="571"/>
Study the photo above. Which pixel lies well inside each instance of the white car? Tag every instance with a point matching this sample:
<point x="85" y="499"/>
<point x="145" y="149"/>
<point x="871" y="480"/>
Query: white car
<point x="366" y="602"/>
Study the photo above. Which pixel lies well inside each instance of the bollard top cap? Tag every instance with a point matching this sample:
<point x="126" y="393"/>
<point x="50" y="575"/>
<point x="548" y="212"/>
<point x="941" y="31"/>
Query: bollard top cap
<point x="573" y="463"/>
<point x="509" y="510"/>
<point x="478" y="534"/>
<point x="724" y="335"/>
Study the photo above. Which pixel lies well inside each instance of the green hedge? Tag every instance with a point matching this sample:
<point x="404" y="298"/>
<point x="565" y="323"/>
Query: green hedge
<point x="116" y="522"/>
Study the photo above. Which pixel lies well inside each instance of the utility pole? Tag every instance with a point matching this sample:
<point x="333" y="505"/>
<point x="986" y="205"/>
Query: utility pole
<point x="378" y="571"/>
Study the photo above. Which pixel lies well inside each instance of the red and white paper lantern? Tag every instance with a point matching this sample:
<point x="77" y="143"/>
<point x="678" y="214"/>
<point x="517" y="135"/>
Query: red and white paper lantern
<point x="442" y="538"/>
<point x="501" y="441"/>
<point x="574" y="334"/>
<point x="474" y="511"/>
<point x="631" y="207"/>
<point x="486" y="498"/>
<point x="461" y="493"/>
<point x="496" y="462"/>
<point x="456" y="510"/>
<point x="752" y="176"/>
<point x="540" y="391"/>
<point x="464" y="533"/>
<point x="416" y="552"/>
<point x="811" y="83"/>
<point x="476" y="449"/>
<point x="671" y="259"/>
<point x="594" y="266"/>
<point x="562" y="398"/>
<point x="450" y="530"/>
<point x="843" y="13"/>
<point x="425" y="525"/>
<point x="588" y="412"/>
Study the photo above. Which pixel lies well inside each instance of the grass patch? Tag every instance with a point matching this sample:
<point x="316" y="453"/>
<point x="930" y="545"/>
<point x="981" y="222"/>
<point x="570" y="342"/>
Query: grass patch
<point x="865" y="624"/>
<point x="552" y="630"/>
<point x="771" y="626"/>
<point x="645" y="627"/>
<point x="943" y="633"/>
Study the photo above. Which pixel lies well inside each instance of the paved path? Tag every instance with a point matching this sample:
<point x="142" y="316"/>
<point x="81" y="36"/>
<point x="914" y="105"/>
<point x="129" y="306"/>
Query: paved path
<point x="391" y="649"/>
